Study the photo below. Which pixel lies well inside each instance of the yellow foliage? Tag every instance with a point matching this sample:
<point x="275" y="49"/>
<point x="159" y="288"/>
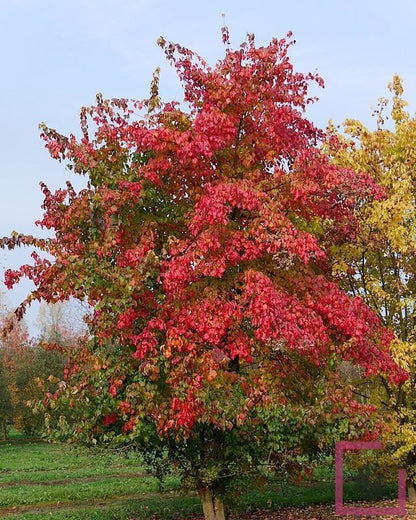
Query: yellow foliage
<point x="380" y="265"/>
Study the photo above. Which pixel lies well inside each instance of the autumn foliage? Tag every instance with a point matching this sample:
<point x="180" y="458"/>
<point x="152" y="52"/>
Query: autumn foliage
<point x="380" y="266"/>
<point x="202" y="243"/>
<point x="27" y="372"/>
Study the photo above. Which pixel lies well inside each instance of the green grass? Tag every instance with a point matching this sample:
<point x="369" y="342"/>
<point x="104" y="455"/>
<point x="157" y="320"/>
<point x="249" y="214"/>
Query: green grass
<point x="39" y="481"/>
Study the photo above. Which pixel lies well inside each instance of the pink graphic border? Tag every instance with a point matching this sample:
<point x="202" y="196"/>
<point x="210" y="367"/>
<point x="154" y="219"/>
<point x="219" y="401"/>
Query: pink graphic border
<point x="340" y="509"/>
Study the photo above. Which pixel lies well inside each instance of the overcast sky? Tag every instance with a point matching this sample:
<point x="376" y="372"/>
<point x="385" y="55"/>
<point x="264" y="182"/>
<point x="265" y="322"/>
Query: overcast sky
<point x="56" y="55"/>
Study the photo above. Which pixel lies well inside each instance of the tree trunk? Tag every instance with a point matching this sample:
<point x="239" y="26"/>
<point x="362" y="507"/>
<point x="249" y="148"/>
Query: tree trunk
<point x="411" y="491"/>
<point x="3" y="431"/>
<point x="212" y="506"/>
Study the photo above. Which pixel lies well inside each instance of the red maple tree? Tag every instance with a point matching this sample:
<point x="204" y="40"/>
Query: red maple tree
<point x="201" y="243"/>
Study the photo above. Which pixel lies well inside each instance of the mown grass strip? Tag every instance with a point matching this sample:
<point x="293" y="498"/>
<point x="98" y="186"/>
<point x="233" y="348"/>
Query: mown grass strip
<point x="41" y="457"/>
<point x="110" y="487"/>
<point x="36" y="481"/>
<point x="167" y="505"/>
<point x="17" y="477"/>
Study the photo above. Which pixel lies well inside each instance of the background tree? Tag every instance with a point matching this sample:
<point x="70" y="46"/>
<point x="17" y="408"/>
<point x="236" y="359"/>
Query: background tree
<point x="201" y="242"/>
<point x="6" y="407"/>
<point x="28" y="371"/>
<point x="379" y="264"/>
<point x="12" y="346"/>
<point x="6" y="412"/>
<point x="61" y="322"/>
<point x="36" y="371"/>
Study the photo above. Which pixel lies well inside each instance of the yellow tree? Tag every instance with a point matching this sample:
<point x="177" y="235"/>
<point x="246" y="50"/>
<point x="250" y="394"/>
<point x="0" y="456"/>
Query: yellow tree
<point x="379" y="264"/>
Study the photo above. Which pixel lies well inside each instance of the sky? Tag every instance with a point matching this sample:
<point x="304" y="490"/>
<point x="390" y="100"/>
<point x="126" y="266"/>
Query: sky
<point x="56" y="55"/>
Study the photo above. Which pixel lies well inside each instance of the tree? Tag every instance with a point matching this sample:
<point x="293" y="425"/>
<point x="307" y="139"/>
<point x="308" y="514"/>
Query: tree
<point x="6" y="408"/>
<point x="380" y="264"/>
<point x="35" y="373"/>
<point x="60" y="323"/>
<point x="27" y="372"/>
<point x="5" y="397"/>
<point x="12" y="346"/>
<point x="200" y="242"/>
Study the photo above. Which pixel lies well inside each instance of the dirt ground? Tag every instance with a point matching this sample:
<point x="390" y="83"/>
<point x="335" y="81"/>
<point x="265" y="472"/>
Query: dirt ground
<point x="327" y="512"/>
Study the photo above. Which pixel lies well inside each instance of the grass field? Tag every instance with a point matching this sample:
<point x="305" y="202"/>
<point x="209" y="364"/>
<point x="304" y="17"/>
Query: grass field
<point x="39" y="481"/>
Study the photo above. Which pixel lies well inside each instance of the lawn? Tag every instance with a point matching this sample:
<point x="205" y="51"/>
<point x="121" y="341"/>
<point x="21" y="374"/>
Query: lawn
<point x="40" y="480"/>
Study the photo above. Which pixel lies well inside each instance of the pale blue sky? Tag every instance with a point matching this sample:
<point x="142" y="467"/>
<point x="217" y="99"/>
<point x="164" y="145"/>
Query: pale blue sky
<point x="56" y="55"/>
